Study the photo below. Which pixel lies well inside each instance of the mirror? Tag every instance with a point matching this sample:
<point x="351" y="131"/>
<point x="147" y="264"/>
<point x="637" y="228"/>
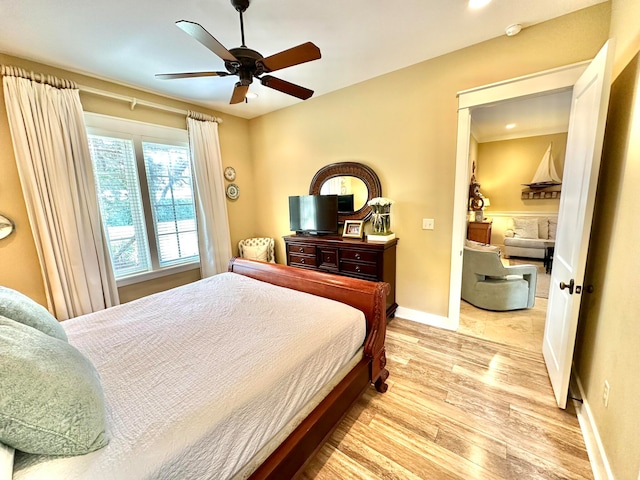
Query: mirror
<point x="348" y="178"/>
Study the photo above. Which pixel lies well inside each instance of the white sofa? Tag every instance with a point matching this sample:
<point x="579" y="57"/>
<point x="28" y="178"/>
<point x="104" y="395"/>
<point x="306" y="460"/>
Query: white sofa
<point x="529" y="236"/>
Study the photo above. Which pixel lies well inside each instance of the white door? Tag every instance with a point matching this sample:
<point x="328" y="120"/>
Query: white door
<point x="580" y="177"/>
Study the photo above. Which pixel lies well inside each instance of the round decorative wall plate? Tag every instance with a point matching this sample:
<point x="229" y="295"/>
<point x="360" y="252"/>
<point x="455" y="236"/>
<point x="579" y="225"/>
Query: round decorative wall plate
<point x="6" y="227"/>
<point x="230" y="174"/>
<point x="233" y="192"/>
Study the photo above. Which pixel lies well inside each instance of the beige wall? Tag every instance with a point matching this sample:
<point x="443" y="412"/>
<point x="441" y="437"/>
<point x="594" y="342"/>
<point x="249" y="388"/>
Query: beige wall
<point x="608" y="346"/>
<point x="504" y="166"/>
<point x="403" y="125"/>
<point x="20" y="267"/>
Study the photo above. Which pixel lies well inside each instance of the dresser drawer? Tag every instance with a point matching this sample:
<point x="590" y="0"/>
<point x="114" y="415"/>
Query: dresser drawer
<point x="359" y="255"/>
<point x="298" y="259"/>
<point x="328" y="258"/>
<point x="368" y="269"/>
<point x="302" y="248"/>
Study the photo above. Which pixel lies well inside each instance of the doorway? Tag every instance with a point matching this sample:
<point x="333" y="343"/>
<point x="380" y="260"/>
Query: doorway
<point x="531" y="86"/>
<point x="590" y="97"/>
<point x="509" y="141"/>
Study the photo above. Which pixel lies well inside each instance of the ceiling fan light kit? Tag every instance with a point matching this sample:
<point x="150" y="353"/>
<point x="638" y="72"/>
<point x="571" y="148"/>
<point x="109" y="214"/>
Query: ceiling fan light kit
<point x="246" y="63"/>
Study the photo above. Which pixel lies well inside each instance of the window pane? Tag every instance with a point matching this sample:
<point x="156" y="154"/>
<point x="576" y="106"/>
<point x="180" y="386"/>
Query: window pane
<point x="118" y="188"/>
<point x="171" y="193"/>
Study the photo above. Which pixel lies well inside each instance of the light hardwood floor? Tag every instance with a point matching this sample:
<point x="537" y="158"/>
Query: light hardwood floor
<point x="458" y="407"/>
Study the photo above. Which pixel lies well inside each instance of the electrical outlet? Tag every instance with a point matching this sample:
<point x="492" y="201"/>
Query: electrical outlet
<point x="605" y="393"/>
<point x="428" y="223"/>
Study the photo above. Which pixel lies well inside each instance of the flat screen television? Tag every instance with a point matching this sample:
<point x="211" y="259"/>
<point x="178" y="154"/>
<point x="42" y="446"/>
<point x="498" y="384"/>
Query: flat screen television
<point x="345" y="203"/>
<point x="313" y="214"/>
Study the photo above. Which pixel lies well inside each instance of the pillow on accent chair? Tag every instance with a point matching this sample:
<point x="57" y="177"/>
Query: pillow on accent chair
<point x="525" y="227"/>
<point x="258" y="252"/>
<point x="22" y="309"/>
<point x="52" y="401"/>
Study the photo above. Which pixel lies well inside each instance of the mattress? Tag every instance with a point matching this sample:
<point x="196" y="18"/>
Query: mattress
<point x="199" y="378"/>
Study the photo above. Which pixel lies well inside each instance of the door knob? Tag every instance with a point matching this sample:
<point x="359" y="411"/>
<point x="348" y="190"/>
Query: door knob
<point x="569" y="286"/>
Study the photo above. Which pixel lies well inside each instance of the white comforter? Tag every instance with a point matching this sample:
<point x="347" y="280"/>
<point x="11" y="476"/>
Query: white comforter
<point x="198" y="378"/>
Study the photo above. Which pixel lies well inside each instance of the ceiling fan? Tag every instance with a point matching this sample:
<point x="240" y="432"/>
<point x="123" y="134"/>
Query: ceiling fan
<point x="248" y="64"/>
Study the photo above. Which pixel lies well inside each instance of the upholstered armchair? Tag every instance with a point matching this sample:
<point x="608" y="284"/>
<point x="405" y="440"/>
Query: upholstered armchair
<point x="488" y="284"/>
<point x="259" y="248"/>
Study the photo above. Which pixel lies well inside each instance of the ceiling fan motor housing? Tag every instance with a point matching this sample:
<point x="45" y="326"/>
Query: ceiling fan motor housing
<point x="247" y="65"/>
<point x="240" y="5"/>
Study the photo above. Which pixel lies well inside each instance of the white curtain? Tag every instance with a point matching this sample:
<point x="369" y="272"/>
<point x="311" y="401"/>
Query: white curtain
<point x="54" y="165"/>
<point x="214" y="239"/>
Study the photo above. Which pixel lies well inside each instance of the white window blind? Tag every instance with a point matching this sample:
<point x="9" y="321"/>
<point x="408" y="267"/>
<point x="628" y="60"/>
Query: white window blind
<point x="168" y="170"/>
<point x="120" y="201"/>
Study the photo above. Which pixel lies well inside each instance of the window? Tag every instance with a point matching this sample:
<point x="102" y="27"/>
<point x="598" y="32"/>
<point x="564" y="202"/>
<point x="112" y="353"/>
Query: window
<point x="145" y="192"/>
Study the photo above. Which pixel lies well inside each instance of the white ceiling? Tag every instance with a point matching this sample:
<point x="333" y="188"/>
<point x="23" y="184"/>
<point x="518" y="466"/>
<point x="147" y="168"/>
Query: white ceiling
<point x="129" y="41"/>
<point x="536" y="115"/>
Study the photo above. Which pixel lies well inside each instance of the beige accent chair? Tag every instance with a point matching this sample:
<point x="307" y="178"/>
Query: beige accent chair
<point x="488" y="284"/>
<point x="259" y="248"/>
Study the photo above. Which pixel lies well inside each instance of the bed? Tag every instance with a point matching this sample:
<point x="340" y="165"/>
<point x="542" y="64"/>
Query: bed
<point x="215" y="410"/>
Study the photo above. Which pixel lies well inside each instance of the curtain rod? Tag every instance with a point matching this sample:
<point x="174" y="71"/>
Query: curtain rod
<point x="134" y="101"/>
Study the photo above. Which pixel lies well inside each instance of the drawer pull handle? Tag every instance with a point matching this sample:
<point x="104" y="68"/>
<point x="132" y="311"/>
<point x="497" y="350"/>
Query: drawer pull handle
<point x="357" y="255"/>
<point x="358" y="268"/>
<point x="301" y="249"/>
<point x="302" y="260"/>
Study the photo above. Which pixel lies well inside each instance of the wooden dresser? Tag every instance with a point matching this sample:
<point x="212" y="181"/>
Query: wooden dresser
<point x="374" y="261"/>
<point x="479" y="232"/>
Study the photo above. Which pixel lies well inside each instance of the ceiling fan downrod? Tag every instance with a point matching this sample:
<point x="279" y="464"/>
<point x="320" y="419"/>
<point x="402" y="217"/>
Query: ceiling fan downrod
<point x="241" y="6"/>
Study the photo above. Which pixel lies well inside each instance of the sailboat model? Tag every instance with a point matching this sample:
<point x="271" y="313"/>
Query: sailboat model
<point x="546" y="175"/>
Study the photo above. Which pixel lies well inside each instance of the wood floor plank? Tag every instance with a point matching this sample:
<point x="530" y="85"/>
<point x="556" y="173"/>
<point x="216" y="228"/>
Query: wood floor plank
<point x="457" y="408"/>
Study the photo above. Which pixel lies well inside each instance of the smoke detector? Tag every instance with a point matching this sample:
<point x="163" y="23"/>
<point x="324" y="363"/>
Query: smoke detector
<point x="513" y="29"/>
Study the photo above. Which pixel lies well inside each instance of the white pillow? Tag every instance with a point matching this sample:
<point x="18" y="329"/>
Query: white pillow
<point x="553" y="227"/>
<point x="525" y="227"/>
<point x="6" y="461"/>
<point x="543" y="228"/>
<point x="259" y="252"/>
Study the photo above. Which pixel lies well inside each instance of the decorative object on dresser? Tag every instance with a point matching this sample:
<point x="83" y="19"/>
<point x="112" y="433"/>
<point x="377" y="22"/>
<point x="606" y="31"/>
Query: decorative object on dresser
<point x="381" y="219"/>
<point x="479" y="232"/>
<point x="375" y="261"/>
<point x="353" y="229"/>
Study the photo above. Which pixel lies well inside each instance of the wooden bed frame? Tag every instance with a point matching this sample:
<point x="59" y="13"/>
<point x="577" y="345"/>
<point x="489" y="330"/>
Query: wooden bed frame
<point x="290" y="458"/>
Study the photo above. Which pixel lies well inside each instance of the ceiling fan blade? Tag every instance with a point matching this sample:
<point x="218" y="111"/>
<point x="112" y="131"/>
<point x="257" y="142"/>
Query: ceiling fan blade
<point x="239" y="92"/>
<point x="294" y="56"/>
<point x="171" y="76"/>
<point x="286" y="87"/>
<point x="198" y="32"/>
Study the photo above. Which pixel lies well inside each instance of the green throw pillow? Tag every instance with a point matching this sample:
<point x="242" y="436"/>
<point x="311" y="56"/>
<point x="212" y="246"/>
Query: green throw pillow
<point x="51" y="399"/>
<point x="22" y="309"/>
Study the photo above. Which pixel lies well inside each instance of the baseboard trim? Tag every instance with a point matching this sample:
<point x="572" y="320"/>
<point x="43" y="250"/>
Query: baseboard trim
<point x="425" y="318"/>
<point x="595" y="449"/>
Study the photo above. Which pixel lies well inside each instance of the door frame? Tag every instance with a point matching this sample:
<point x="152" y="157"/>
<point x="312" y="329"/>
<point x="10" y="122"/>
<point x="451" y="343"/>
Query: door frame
<point x="540" y="83"/>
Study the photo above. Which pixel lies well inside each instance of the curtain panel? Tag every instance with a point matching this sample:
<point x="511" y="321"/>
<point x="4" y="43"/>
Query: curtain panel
<point x="56" y="174"/>
<point x="214" y="239"/>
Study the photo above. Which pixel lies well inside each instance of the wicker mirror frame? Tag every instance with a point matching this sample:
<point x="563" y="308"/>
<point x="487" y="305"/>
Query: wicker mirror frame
<point x="349" y="169"/>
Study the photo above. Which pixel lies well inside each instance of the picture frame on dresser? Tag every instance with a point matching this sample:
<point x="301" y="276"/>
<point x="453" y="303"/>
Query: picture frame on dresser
<point x="353" y="229"/>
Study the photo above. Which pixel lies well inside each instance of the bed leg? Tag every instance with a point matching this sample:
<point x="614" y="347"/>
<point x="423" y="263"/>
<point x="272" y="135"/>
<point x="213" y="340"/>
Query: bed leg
<point x="380" y="383"/>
